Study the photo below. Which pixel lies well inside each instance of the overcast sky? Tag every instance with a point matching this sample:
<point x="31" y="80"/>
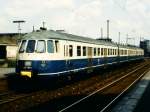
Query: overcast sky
<point x="81" y="17"/>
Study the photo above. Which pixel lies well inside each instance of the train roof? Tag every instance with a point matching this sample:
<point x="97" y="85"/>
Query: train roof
<point x="51" y="34"/>
<point x="65" y="36"/>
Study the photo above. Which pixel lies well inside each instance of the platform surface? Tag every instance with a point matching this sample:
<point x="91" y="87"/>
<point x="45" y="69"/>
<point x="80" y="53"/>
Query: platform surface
<point x="137" y="100"/>
<point x="5" y="71"/>
<point x="144" y="103"/>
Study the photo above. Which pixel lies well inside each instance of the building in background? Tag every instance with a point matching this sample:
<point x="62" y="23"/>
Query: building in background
<point x="8" y="48"/>
<point x="8" y="45"/>
<point x="145" y="44"/>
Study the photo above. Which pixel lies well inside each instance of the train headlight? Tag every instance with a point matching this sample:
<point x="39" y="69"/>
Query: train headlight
<point x="28" y="63"/>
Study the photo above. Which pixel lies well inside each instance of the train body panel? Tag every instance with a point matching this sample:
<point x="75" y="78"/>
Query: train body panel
<point x="53" y="53"/>
<point x="58" y="67"/>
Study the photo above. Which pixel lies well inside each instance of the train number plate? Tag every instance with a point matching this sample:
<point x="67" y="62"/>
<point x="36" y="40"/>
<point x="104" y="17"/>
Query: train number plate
<point x="26" y="73"/>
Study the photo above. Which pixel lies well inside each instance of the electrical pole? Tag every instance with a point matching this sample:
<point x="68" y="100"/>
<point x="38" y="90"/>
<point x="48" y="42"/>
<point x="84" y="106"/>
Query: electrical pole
<point x="33" y="29"/>
<point x="19" y="27"/>
<point x="107" y="29"/>
<point x="119" y="38"/>
<point x="101" y="32"/>
<point x="43" y="24"/>
<point x="127" y="39"/>
<point x="118" y="45"/>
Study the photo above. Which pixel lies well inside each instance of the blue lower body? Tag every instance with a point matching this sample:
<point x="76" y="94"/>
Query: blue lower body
<point x="57" y="67"/>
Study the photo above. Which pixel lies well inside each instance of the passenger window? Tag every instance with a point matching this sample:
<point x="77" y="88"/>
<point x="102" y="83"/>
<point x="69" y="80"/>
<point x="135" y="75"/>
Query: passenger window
<point x="102" y="52"/>
<point x="22" y="47"/>
<point x="78" y="50"/>
<point x="70" y="50"/>
<point x="98" y="51"/>
<point x="94" y="51"/>
<point x="56" y="45"/>
<point x="40" y="46"/>
<point x="50" y="46"/>
<point x="110" y="52"/>
<point x="89" y="51"/>
<point x="84" y="51"/>
<point x="64" y="50"/>
<point x="105" y="51"/>
<point x="30" y="46"/>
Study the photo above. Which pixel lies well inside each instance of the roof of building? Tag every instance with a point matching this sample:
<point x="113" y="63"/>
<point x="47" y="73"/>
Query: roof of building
<point x="9" y="38"/>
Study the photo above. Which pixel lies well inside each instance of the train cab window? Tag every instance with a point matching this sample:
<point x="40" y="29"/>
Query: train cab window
<point x="78" y="50"/>
<point x="40" y="46"/>
<point x="70" y="50"/>
<point x="30" y="46"/>
<point x="22" y="47"/>
<point x="50" y="46"/>
<point x="84" y="51"/>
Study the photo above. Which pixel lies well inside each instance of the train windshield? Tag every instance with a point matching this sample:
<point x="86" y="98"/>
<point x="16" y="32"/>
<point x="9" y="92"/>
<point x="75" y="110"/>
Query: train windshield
<point x="50" y="46"/>
<point x="30" y="46"/>
<point x="40" y="46"/>
<point x="22" y="47"/>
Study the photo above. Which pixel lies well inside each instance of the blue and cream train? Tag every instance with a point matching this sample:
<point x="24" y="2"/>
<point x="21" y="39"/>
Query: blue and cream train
<point x="52" y="53"/>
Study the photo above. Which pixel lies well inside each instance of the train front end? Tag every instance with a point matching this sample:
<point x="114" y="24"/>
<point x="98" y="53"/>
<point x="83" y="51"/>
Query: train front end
<point x="32" y="58"/>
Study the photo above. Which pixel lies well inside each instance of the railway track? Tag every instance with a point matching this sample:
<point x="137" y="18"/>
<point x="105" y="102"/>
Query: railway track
<point x="57" y="98"/>
<point x="3" y="85"/>
<point x="9" y="97"/>
<point x="102" y="99"/>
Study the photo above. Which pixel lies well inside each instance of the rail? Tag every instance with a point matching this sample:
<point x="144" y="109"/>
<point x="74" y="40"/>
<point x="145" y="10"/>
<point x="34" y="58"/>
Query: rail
<point x="108" y="85"/>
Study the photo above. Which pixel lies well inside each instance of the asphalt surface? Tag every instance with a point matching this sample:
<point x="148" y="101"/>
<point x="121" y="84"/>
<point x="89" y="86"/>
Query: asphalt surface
<point x="144" y="103"/>
<point x="137" y="100"/>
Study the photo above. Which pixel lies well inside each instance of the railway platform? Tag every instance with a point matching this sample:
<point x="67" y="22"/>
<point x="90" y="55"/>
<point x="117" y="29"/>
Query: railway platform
<point x="5" y="71"/>
<point x="137" y="100"/>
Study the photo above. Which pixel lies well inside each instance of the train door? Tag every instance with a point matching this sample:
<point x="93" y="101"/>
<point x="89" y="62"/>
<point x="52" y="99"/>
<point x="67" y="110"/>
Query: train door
<point x="89" y="49"/>
<point x="89" y="56"/>
<point x="68" y="53"/>
<point x="105" y="56"/>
